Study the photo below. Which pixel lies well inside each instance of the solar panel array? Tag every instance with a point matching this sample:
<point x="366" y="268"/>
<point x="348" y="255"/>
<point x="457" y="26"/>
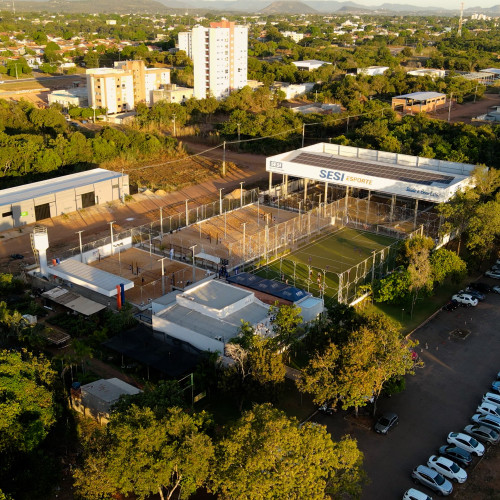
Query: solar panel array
<point x="374" y="170"/>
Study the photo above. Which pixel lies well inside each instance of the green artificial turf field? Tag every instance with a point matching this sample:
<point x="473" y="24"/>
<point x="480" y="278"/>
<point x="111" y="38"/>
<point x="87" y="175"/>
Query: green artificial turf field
<point x="315" y="266"/>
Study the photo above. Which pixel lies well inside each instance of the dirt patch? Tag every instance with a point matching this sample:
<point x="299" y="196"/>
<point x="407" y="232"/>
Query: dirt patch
<point x="484" y="480"/>
<point x="465" y="112"/>
<point x="460" y="333"/>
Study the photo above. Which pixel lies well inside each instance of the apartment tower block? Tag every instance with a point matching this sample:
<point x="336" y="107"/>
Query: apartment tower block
<point x="220" y="59"/>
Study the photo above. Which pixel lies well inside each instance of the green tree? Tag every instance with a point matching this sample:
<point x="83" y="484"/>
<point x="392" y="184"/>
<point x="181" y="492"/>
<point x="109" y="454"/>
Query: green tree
<point x="159" y="398"/>
<point x="355" y="373"/>
<point x="266" y="364"/>
<point x="445" y="263"/>
<point x="267" y="455"/>
<point x="142" y="455"/>
<point x="393" y="289"/>
<point x="484" y="228"/>
<point x="27" y="404"/>
<point x="284" y="320"/>
<point x="457" y="212"/>
<point x="320" y="375"/>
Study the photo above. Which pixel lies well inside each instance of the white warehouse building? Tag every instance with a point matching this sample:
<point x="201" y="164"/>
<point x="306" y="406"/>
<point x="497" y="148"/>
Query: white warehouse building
<point x="33" y="202"/>
<point x="208" y="315"/>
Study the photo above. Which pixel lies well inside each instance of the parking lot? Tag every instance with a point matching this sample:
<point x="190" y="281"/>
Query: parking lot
<point x="440" y="398"/>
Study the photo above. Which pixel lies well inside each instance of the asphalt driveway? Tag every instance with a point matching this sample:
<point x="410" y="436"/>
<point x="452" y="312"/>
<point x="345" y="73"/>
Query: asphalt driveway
<point x="440" y="398"/>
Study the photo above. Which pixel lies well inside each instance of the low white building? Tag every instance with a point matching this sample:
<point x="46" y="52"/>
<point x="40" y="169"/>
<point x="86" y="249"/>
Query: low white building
<point x="294" y="90"/>
<point x="310" y="64"/>
<point x="372" y="70"/>
<point x="208" y="315"/>
<point x="76" y="97"/>
<point x="433" y="73"/>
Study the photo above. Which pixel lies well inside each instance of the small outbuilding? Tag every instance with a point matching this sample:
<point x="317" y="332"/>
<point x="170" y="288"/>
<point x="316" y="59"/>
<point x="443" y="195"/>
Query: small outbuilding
<point x="417" y="102"/>
<point x="97" y="398"/>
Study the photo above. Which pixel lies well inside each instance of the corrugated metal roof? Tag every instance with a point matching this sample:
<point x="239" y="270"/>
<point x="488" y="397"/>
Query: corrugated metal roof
<point x="420" y="96"/>
<point x="73" y="301"/>
<point x="72" y="268"/>
<point x="50" y="186"/>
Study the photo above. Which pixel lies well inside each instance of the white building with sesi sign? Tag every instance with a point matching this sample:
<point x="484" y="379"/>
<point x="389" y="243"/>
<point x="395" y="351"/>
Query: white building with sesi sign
<point x="393" y="174"/>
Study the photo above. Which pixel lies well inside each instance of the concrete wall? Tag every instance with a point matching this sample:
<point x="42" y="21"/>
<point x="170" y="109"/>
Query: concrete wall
<point x="105" y="251"/>
<point x="161" y="325"/>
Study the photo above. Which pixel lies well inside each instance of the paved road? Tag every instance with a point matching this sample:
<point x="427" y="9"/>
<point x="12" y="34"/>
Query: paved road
<point x="440" y="398"/>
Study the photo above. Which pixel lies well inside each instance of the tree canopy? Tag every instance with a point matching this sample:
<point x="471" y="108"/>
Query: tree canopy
<point x="141" y="454"/>
<point x="267" y="455"/>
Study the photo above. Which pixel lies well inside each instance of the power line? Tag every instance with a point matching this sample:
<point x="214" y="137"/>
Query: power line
<point x="288" y="131"/>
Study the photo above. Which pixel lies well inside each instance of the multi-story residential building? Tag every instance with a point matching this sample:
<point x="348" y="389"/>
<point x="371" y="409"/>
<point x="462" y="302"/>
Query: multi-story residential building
<point x="220" y="58"/>
<point x="121" y="88"/>
<point x="296" y="37"/>
<point x="185" y="43"/>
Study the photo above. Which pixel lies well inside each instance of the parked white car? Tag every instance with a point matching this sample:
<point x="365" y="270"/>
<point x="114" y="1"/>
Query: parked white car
<point x="466" y="442"/>
<point x="465" y="299"/>
<point x="488" y="409"/>
<point x="492" y="398"/>
<point x="413" y="494"/>
<point x="447" y="468"/>
<point x="493" y="274"/>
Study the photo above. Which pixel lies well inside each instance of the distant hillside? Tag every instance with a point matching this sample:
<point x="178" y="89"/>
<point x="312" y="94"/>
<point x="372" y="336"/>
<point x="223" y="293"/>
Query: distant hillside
<point x="92" y="6"/>
<point x="288" y="7"/>
<point x="262" y="6"/>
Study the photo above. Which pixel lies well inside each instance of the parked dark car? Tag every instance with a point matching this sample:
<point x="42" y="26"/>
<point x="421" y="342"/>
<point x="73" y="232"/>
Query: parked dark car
<point x="451" y="305"/>
<point x="481" y="287"/>
<point x="326" y="408"/>
<point x="386" y="422"/>
<point x="455" y="453"/>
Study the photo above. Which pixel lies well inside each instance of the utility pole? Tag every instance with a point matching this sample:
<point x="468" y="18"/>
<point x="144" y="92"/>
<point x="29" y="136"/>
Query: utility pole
<point x="224" y="159"/>
<point x="173" y="116"/>
<point x="220" y="200"/>
<point x="449" y="107"/>
<point x="460" y="22"/>
<point x="303" y="133"/>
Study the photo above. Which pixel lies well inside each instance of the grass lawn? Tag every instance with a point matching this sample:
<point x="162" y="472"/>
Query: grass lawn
<point x="316" y="265"/>
<point x="423" y="308"/>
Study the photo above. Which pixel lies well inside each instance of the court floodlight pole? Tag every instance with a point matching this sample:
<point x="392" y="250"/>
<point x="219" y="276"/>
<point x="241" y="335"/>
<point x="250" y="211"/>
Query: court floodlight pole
<point x="81" y="248"/>
<point x="111" y="229"/>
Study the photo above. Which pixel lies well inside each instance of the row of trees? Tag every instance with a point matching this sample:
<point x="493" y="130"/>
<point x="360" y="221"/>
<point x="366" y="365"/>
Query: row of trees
<point x="264" y="454"/>
<point x="39" y="141"/>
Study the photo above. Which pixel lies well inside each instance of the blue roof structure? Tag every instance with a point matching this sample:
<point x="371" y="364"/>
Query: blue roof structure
<point x="276" y="288"/>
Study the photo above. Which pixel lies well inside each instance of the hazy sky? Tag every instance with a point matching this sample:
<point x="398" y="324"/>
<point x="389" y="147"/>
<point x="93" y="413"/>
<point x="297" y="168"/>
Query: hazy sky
<point x="447" y="4"/>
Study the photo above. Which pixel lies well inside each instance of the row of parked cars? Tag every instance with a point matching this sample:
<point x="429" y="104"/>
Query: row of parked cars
<point x="471" y="296"/>
<point x="494" y="272"/>
<point x="450" y="464"/>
